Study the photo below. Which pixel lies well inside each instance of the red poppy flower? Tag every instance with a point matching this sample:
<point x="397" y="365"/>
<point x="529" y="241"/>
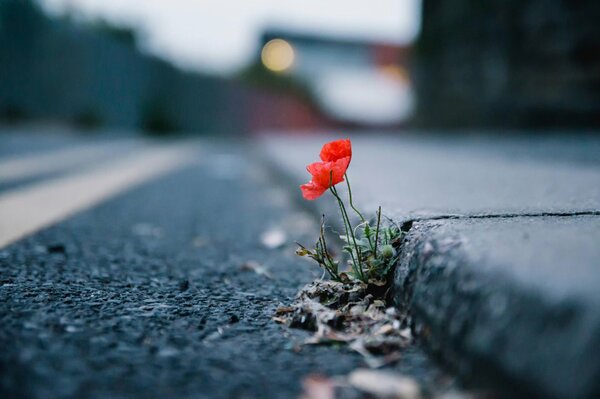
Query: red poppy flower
<point x="336" y="149"/>
<point x="336" y="158"/>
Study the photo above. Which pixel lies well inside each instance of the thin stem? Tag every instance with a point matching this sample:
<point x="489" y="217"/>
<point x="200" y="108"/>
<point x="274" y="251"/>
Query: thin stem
<point x="324" y="245"/>
<point x="362" y="218"/>
<point x="377" y="231"/>
<point x="322" y="234"/>
<point x="348" y="227"/>
<point x="354" y="264"/>
<point x="350" y="198"/>
<point x="328" y="268"/>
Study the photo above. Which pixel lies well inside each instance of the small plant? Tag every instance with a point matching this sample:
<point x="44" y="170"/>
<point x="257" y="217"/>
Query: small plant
<point x="371" y="247"/>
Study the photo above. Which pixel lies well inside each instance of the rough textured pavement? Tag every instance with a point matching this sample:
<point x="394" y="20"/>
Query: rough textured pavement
<point x="144" y="295"/>
<point x="500" y="266"/>
<point x="511" y="295"/>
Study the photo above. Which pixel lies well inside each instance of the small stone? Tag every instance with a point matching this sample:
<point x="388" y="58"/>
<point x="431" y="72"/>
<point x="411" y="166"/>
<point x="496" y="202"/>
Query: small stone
<point x="56" y="248"/>
<point x="184" y="285"/>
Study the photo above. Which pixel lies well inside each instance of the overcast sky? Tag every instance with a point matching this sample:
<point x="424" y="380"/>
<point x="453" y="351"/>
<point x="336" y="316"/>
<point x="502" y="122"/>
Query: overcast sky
<point x="222" y="35"/>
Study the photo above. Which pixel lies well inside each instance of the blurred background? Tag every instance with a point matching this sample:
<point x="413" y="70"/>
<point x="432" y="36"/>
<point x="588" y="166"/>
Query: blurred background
<point x="231" y="67"/>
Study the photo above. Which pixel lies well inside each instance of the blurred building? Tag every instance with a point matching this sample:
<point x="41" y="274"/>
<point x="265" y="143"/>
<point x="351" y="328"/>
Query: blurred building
<point x="532" y="63"/>
<point x="94" y="75"/>
<point x="352" y="82"/>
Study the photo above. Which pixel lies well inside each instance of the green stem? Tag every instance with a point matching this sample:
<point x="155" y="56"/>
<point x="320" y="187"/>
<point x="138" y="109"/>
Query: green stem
<point x="368" y="236"/>
<point x="350" y="198"/>
<point x="332" y="265"/>
<point x="377" y="231"/>
<point x="362" y="218"/>
<point x="324" y="257"/>
<point x="349" y="232"/>
<point x="354" y="264"/>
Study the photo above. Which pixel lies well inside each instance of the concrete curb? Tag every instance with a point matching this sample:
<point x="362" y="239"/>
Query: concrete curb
<point x="492" y="327"/>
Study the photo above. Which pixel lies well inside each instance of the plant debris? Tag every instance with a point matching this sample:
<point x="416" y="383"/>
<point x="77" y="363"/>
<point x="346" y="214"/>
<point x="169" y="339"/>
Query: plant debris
<point x="384" y="384"/>
<point x="351" y="313"/>
<point x="378" y="384"/>
<point x="256" y="268"/>
<point x="318" y="387"/>
<point x="363" y="383"/>
<point x="147" y="230"/>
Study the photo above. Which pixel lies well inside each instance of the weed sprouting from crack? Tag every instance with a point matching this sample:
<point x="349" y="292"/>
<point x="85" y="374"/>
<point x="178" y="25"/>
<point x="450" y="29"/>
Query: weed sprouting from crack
<point x="369" y="246"/>
<point x="351" y="308"/>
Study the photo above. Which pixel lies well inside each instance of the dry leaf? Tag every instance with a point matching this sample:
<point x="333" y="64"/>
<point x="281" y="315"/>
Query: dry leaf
<point x="336" y="313"/>
<point x="318" y="387"/>
<point x="284" y="309"/>
<point x="256" y="268"/>
<point x="373" y="361"/>
<point x="384" y="329"/>
<point x="384" y="384"/>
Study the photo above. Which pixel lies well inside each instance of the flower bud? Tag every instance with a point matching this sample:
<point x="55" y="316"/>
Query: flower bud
<point x="302" y="252"/>
<point x="387" y="251"/>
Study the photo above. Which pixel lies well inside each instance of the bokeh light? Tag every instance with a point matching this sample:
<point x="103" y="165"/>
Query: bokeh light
<point x="395" y="72"/>
<point x="278" y="55"/>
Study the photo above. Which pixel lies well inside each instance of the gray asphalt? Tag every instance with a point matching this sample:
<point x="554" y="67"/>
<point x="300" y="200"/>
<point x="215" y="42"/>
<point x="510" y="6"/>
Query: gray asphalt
<point x="144" y="296"/>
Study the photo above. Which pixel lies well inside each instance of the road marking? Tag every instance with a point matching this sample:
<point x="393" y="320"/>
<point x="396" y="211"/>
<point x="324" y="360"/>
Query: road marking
<point x="30" y="209"/>
<point x="55" y="161"/>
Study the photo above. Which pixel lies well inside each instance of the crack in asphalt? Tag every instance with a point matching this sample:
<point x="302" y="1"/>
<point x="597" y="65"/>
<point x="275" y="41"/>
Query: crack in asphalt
<point x="499" y="216"/>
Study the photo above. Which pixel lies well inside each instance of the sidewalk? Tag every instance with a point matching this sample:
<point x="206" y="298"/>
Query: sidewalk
<point x="500" y="266"/>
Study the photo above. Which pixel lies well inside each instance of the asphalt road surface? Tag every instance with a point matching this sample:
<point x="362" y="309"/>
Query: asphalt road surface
<point x="135" y="286"/>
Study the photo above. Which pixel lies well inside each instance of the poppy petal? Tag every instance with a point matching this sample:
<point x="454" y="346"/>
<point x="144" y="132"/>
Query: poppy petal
<point x="335" y="150"/>
<point x="336" y="156"/>
<point x="328" y="174"/>
<point x="312" y="191"/>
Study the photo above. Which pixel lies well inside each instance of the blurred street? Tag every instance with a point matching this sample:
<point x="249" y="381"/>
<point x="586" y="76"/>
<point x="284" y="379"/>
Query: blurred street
<point x="141" y="285"/>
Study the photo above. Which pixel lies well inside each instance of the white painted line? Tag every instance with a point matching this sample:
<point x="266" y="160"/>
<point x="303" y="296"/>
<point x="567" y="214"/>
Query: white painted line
<point x="28" y="210"/>
<point x="31" y="165"/>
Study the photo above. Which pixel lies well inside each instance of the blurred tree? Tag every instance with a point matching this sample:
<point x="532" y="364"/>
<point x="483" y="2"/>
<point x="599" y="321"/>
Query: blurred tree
<point x="156" y="120"/>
